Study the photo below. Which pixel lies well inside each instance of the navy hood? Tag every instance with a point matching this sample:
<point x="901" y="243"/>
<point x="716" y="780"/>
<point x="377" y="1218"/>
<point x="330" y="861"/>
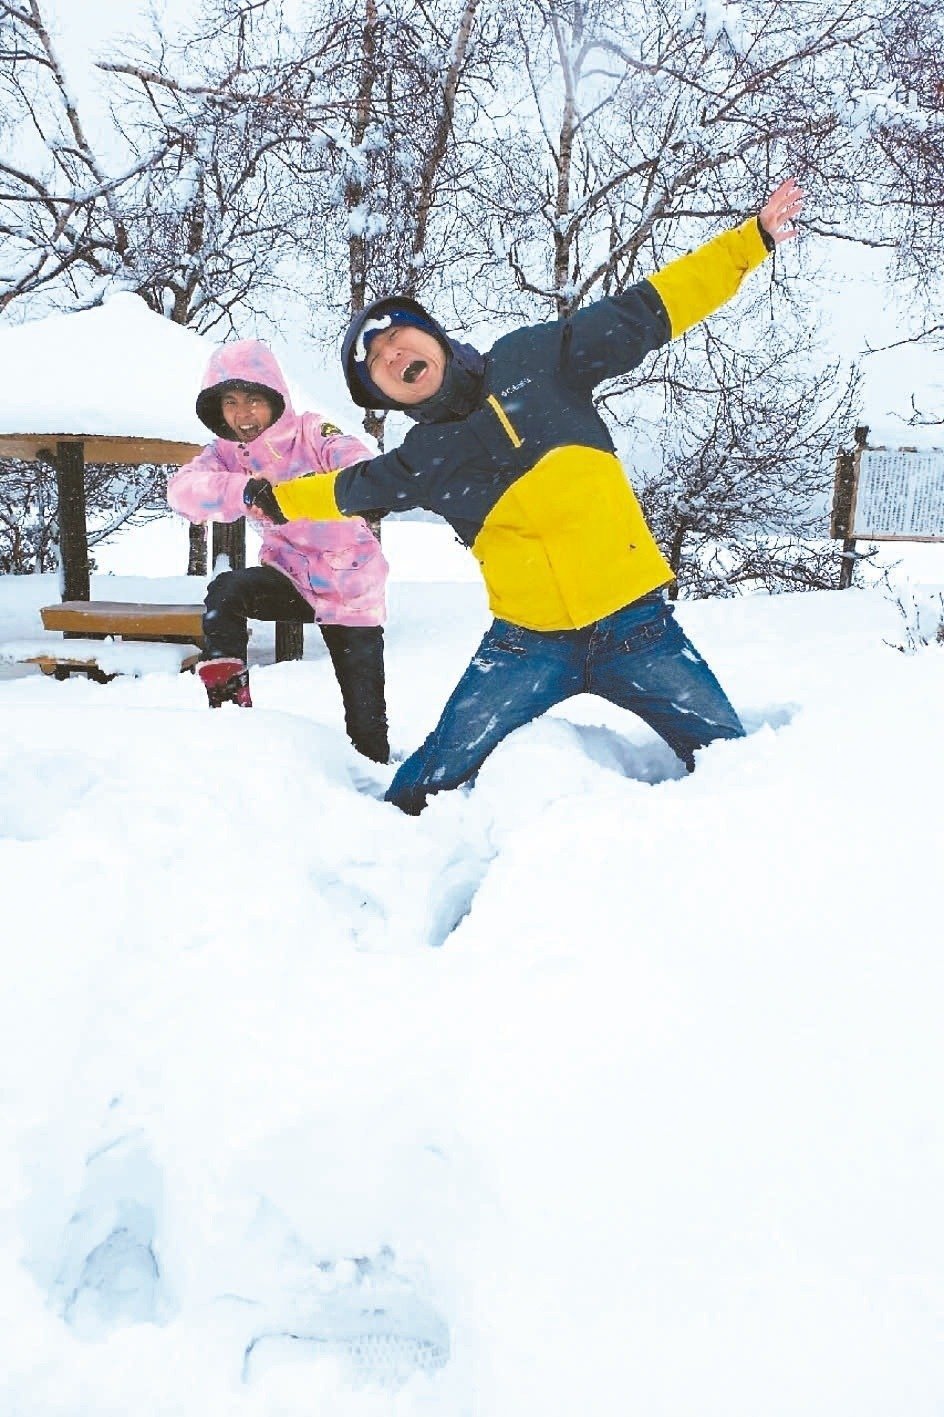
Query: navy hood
<point x="461" y="387"/>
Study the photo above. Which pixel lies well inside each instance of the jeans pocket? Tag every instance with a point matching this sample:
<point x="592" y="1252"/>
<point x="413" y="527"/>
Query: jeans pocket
<point x="644" y="636"/>
<point x="506" y="638"/>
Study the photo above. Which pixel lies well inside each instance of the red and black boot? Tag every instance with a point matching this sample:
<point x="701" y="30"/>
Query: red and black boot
<point x="226" y="682"/>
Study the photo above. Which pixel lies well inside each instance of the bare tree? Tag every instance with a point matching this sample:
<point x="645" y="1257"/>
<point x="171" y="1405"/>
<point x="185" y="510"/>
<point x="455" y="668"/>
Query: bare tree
<point x="393" y="176"/>
<point x="28" y="529"/>
<point x="642" y="122"/>
<point x="737" y="493"/>
<point x="29" y="508"/>
<point x="60" y="212"/>
<point x="644" y="127"/>
<point x="192" y="213"/>
<point x="195" y="218"/>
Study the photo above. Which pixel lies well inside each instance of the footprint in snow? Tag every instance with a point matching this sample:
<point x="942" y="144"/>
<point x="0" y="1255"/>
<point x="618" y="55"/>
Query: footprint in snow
<point x="365" y="1315"/>
<point x="108" y="1273"/>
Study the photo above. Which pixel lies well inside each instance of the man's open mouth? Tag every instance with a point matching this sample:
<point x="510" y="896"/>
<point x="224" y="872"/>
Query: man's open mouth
<point x="413" y="370"/>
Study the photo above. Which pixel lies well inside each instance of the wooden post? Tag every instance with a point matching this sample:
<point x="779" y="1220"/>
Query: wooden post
<point x="73" y="530"/>
<point x="843" y="493"/>
<point x="843" y="499"/>
<point x="847" y="571"/>
<point x="289" y="640"/>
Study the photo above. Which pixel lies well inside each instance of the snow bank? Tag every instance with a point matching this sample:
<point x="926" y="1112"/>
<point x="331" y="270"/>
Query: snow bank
<point x="624" y="1081"/>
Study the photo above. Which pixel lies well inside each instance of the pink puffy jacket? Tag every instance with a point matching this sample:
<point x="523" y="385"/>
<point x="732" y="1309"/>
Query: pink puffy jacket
<point x="337" y="566"/>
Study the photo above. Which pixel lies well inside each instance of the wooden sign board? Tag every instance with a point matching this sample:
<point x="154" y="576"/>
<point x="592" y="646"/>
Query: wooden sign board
<point x="889" y="494"/>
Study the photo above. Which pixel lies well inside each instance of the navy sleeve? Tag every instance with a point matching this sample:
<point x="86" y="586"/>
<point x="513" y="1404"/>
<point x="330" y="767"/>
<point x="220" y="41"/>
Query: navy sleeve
<point x="613" y="335"/>
<point x="386" y="483"/>
<point x="421" y="472"/>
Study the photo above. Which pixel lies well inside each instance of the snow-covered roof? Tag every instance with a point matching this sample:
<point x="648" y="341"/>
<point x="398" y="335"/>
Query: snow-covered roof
<point x="116" y="370"/>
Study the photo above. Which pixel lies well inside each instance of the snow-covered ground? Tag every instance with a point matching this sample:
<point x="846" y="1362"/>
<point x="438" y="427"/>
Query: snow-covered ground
<point x="596" y="1089"/>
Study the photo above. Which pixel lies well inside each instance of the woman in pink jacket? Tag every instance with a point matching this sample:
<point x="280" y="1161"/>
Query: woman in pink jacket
<point x="332" y="573"/>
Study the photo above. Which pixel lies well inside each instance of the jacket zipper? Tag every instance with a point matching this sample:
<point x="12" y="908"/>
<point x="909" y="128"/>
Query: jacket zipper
<point x="504" y="420"/>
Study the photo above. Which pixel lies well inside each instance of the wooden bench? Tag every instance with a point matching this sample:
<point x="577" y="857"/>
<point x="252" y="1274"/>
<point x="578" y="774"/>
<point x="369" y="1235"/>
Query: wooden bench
<point x="96" y="619"/>
<point x="88" y="621"/>
<point x="85" y="623"/>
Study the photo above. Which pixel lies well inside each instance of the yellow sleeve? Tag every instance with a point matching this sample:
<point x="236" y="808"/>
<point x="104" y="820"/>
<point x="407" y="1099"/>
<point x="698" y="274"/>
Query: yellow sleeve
<point x="701" y="282"/>
<point x="309" y="497"/>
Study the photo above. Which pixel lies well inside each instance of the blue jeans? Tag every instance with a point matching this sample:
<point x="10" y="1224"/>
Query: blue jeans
<point x="639" y="658"/>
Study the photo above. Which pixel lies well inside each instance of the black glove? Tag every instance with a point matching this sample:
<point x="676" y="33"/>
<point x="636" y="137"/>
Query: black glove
<point x="258" y="493"/>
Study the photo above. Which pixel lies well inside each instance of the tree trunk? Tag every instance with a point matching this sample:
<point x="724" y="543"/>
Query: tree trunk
<point x="229" y="539"/>
<point x="675" y="557"/>
<point x="197" y="553"/>
<point x="374" y="424"/>
<point x="289" y="640"/>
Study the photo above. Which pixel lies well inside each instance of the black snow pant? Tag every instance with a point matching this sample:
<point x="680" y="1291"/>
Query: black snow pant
<point x="263" y="593"/>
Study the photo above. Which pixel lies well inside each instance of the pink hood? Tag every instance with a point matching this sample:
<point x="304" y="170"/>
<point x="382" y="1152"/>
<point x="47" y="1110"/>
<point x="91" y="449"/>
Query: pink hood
<point x="250" y="365"/>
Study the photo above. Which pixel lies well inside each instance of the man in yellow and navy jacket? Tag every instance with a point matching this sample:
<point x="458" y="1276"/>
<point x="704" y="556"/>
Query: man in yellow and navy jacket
<point x="511" y="451"/>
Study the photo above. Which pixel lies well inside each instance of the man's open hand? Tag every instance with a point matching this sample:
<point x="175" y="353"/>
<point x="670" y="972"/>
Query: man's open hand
<point x="779" y="213"/>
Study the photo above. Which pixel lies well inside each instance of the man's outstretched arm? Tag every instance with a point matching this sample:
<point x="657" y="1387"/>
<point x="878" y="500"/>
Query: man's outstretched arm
<point x="612" y="335"/>
<point x="379" y="484"/>
<point x="694" y="286"/>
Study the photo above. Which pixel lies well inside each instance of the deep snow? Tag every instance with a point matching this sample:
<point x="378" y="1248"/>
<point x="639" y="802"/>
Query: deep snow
<point x="620" y="1086"/>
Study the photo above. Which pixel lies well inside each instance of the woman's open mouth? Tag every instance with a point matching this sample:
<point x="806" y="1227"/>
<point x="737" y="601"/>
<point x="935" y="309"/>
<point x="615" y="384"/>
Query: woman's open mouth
<point x="414" y="370"/>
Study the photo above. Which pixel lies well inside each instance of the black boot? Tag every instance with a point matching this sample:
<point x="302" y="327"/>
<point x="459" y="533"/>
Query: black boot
<point x="372" y="743"/>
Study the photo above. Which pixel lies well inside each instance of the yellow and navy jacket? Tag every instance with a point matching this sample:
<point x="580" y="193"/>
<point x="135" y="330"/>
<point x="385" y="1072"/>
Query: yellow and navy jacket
<point x="513" y="454"/>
